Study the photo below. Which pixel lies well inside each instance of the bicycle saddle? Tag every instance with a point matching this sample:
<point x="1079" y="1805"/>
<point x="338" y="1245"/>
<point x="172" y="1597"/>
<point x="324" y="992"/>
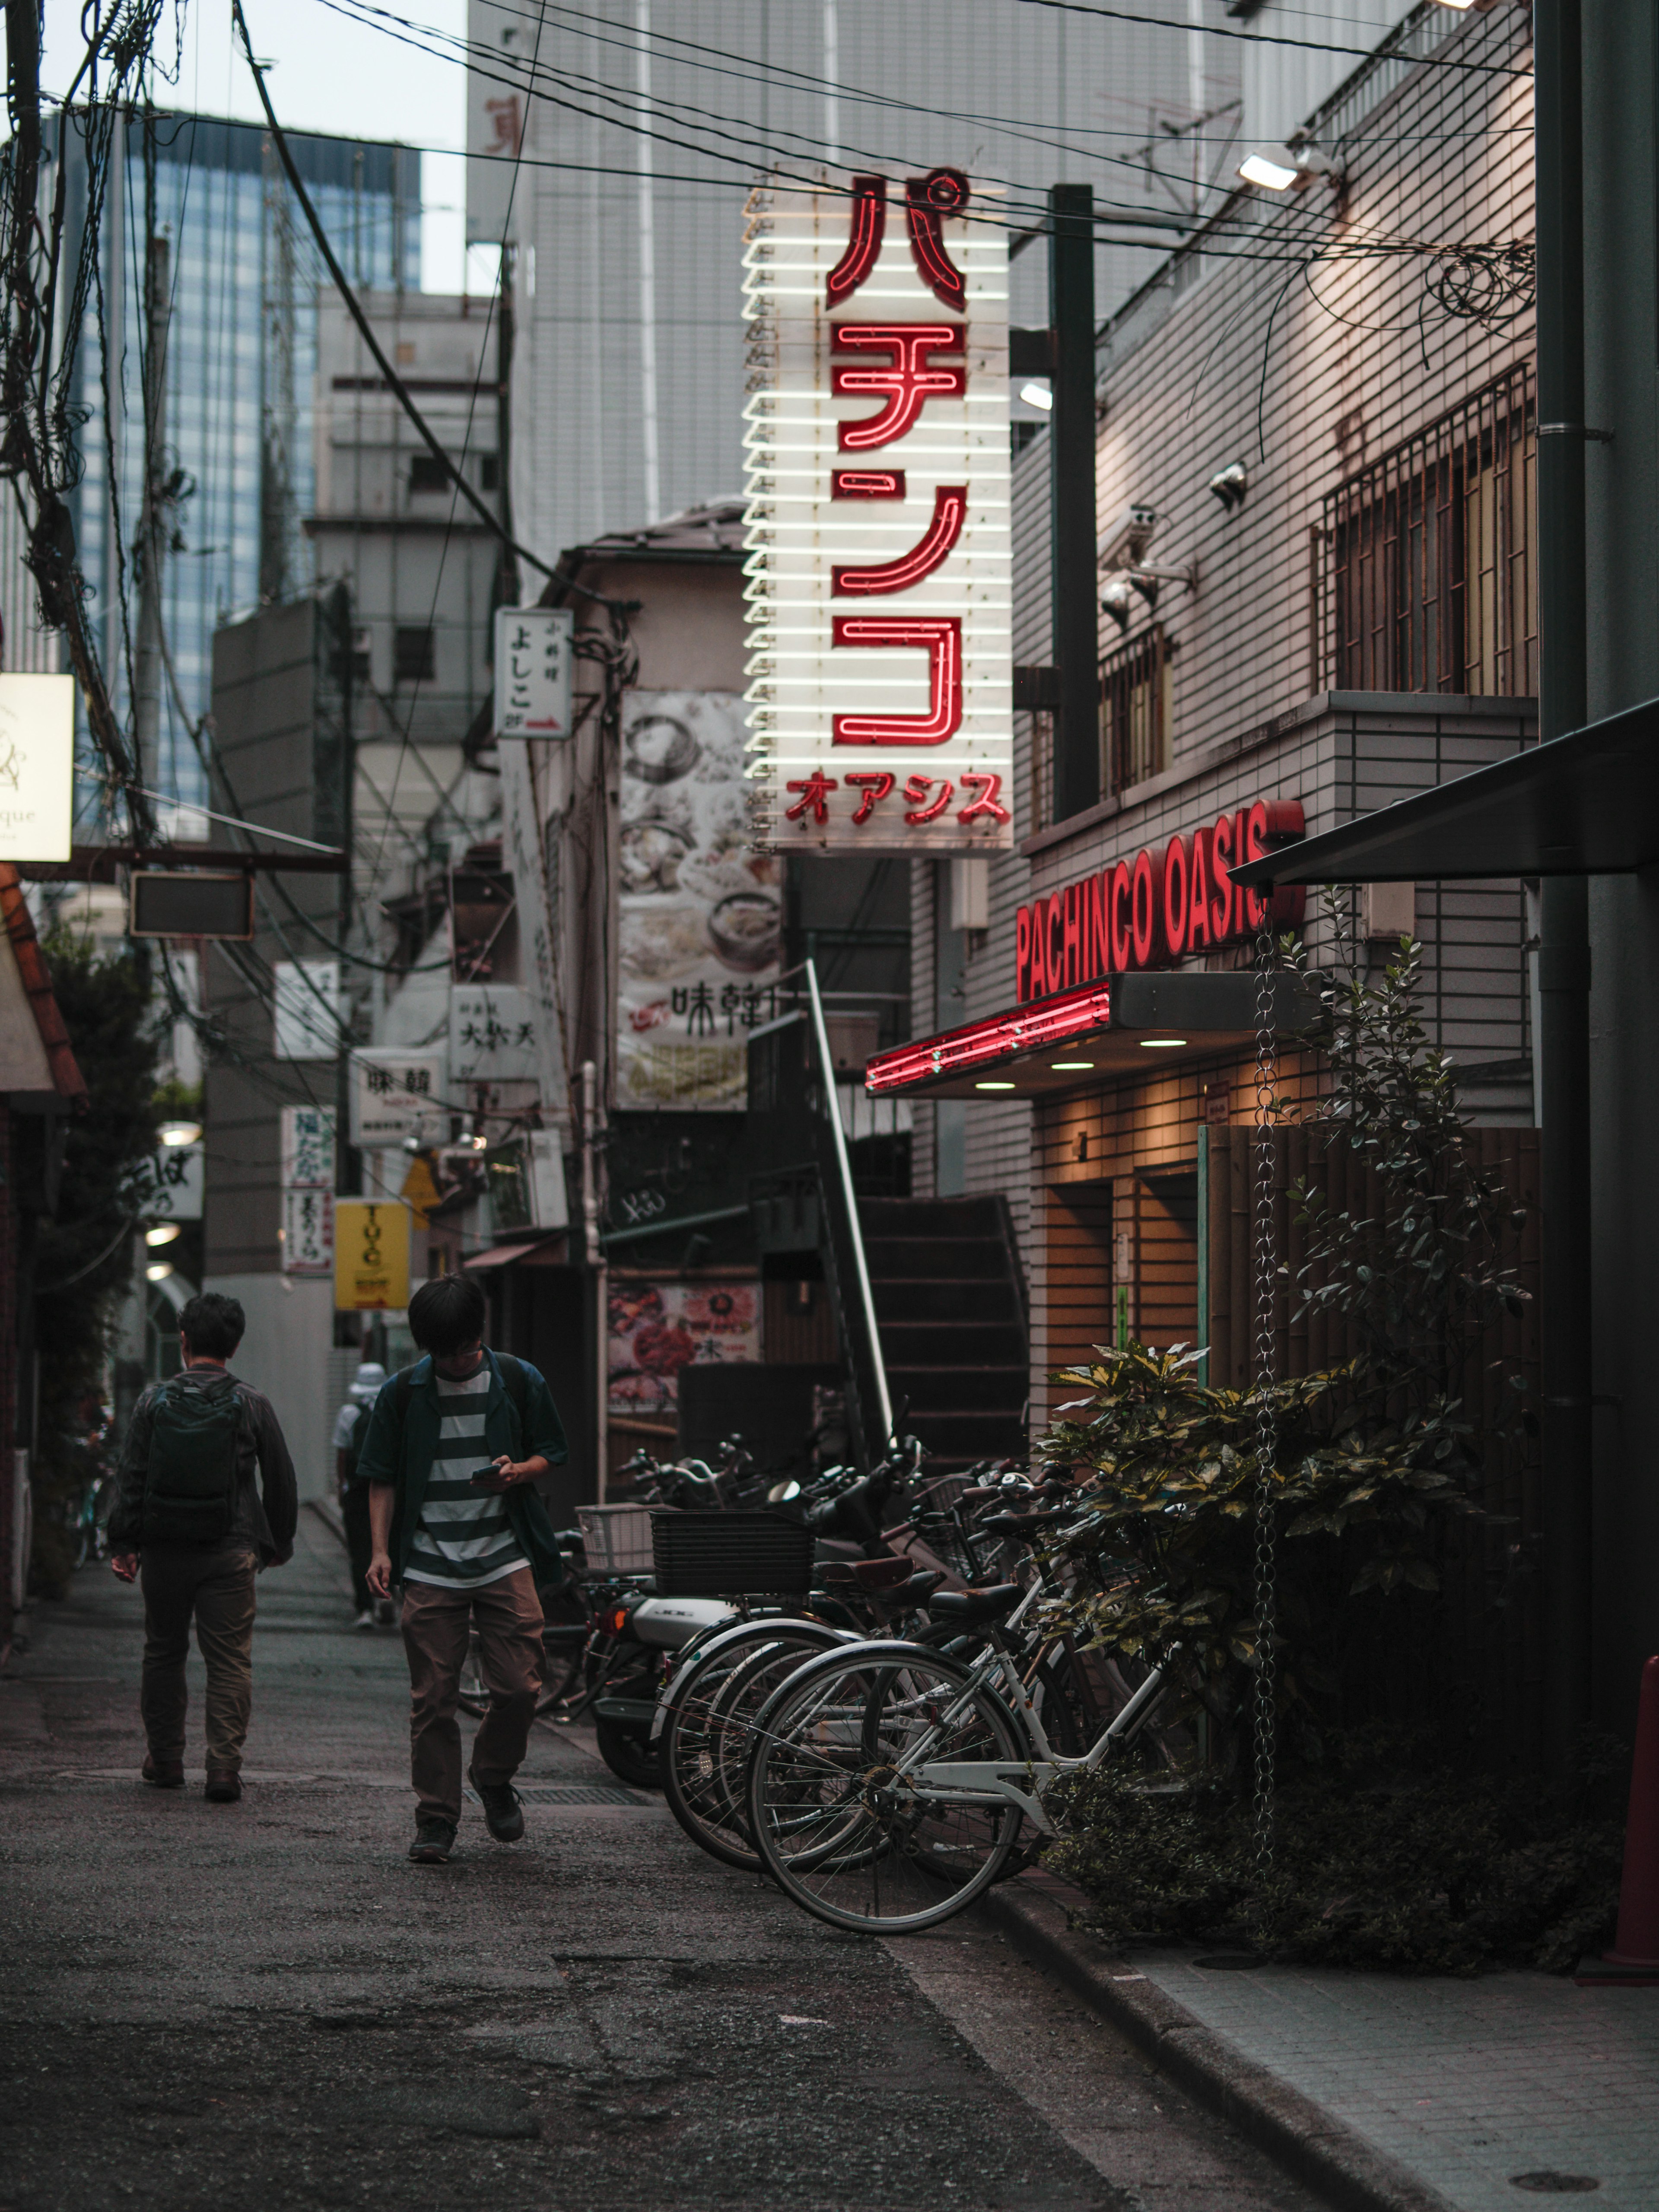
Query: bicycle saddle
<point x="975" y="1604"/>
<point x="882" y="1574"/>
<point x="1019" y="1524"/>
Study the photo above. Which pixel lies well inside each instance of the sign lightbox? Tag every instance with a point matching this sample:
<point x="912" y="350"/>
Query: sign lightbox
<point x="532" y="672"/>
<point x="371" y="1256"/>
<point x="880" y="697"/>
<point x="395" y="1094"/>
<point x="37" y="766"/>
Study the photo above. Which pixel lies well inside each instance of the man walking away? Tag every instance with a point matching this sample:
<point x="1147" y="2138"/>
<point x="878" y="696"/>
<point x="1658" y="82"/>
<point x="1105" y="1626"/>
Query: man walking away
<point x="350" y="1430"/>
<point x="189" y="1510"/>
<point x="455" y="1444"/>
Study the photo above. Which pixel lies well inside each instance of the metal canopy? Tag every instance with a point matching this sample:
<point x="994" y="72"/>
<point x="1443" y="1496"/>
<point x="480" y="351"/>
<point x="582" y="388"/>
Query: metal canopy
<point x="1122" y="1025"/>
<point x="1584" y="804"/>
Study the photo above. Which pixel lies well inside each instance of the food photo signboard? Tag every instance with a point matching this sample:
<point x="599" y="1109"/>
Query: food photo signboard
<point x="659" y="1328"/>
<point x="699" y="912"/>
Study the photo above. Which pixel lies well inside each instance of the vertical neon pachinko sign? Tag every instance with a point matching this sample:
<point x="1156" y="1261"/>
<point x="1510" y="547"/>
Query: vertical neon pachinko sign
<point x="880" y="696"/>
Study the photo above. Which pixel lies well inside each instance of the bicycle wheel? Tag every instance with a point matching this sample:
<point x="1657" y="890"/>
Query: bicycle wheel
<point x="841" y="1819"/>
<point x="704" y="1745"/>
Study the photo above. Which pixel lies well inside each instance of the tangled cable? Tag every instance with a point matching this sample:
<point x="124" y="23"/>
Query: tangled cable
<point x="1489" y="284"/>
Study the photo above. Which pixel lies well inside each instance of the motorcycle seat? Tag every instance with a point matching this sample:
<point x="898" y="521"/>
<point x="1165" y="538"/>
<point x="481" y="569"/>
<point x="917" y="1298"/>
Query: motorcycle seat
<point x="986" y="1604"/>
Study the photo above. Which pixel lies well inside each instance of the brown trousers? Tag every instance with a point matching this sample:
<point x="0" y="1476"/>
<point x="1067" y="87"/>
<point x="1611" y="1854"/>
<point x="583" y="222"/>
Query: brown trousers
<point x="435" y="1620"/>
<point x="218" y="1589"/>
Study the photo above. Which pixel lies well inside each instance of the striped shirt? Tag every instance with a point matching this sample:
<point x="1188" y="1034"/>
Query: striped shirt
<point x="464" y="1538"/>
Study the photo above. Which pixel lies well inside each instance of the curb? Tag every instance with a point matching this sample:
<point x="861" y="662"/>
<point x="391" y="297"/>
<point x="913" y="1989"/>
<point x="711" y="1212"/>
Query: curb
<point x="1303" y="2138"/>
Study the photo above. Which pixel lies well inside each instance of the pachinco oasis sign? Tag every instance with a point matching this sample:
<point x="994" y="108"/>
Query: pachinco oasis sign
<point x="1147" y="912"/>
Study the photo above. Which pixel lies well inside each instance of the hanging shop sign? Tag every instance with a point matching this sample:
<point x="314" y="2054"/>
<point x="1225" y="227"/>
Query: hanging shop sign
<point x="308" y="1014"/>
<point x="307" y="1232"/>
<point x="698" y="910"/>
<point x="172" y="1183"/>
<point x="371" y="1256"/>
<point x="492" y="1035"/>
<point x="37" y="766"/>
<point x="881" y="679"/>
<point x="307" y="1147"/>
<point x="532" y="672"/>
<point x="1169" y="902"/>
<point x="395" y="1095"/>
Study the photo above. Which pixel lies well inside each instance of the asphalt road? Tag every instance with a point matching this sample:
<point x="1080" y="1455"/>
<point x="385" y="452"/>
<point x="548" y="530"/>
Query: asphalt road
<point x="266" y="2006"/>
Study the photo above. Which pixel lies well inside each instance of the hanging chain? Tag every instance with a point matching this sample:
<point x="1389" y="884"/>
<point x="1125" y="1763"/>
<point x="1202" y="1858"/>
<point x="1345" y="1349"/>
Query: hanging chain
<point x="1266" y="1278"/>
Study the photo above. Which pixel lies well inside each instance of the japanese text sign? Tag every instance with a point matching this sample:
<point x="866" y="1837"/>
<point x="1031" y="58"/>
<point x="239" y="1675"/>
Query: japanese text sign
<point x="492" y="1035"/>
<point x="307" y="1232"/>
<point x="371" y="1256"/>
<point x="395" y="1095"/>
<point x="532" y="672"/>
<point x="308" y="1147"/>
<point x="37" y="766"/>
<point x="880" y="697"/>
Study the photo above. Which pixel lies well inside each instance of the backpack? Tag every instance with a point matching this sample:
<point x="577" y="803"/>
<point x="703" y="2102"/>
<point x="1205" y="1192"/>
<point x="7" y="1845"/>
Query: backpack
<point x="189" y="1477"/>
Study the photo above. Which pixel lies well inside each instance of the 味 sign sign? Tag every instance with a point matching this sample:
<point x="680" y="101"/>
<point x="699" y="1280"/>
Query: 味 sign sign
<point x="880" y="690"/>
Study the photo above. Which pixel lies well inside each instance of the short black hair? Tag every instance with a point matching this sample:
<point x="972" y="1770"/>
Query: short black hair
<point x="447" y="1314"/>
<point x="212" y="1325"/>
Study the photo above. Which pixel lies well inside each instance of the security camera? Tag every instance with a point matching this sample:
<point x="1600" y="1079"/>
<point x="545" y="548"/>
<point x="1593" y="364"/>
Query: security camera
<point x="1127" y="536"/>
<point x="1229" y="484"/>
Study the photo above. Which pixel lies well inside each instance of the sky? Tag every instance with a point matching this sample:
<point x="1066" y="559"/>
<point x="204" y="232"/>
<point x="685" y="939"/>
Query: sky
<point x="330" y="75"/>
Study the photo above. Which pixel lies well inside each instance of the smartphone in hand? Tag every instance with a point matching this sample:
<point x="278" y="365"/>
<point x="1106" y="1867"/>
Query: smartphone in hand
<point x="486" y="1478"/>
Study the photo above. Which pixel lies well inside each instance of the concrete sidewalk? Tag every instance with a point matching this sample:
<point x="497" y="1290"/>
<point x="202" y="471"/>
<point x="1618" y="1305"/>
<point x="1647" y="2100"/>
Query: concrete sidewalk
<point x="1384" y="2092"/>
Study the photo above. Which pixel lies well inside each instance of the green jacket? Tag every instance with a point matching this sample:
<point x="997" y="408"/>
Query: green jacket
<point x="405" y="1460"/>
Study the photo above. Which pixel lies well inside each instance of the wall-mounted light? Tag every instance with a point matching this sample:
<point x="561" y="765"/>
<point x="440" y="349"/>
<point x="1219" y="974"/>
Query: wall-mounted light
<point x="181" y="1132"/>
<point x="1146" y="581"/>
<point x="1229" y="484"/>
<point x="1117" y="601"/>
<point x="162" y="1233"/>
<point x="1036" y="395"/>
<point x="1278" y="168"/>
<point x="158" y="1271"/>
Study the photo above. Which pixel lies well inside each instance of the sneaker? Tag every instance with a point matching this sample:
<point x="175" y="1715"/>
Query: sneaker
<point x="163" y="1773"/>
<point x="365" y="1620"/>
<point x="433" y="1842"/>
<point x="502" y="1809"/>
<point x="386" y="1613"/>
<point x="224" y="1785"/>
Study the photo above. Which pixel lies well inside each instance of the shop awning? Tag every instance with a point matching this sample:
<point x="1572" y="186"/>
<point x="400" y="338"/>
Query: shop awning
<point x="1584" y="804"/>
<point x="498" y="1255"/>
<point x="1121" y="1025"/>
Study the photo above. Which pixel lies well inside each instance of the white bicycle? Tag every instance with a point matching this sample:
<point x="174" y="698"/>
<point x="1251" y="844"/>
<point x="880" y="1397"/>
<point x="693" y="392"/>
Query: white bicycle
<point x="889" y="1782"/>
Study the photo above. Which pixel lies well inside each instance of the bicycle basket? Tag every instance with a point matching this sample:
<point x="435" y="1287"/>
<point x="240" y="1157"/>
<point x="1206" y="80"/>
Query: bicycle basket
<point x="615" y="1538"/>
<point x="730" y="1554"/>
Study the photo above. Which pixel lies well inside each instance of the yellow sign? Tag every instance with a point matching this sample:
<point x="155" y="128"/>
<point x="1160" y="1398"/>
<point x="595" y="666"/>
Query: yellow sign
<point x="371" y="1256"/>
<point x="421" y="1189"/>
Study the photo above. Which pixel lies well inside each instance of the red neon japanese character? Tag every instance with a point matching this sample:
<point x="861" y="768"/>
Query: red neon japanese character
<point x="916" y="790"/>
<point x="869" y="220"/>
<point x="866" y="484"/>
<point x="907" y="383"/>
<point x="949" y="506"/>
<point x="876" y="784"/>
<point x="941" y="637"/>
<point x="814" y="791"/>
<point x="942" y="192"/>
<point x="987" y="801"/>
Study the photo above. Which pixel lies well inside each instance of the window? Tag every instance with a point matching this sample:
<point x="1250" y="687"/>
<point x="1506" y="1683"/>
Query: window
<point x="413" y="656"/>
<point x="1425" y="578"/>
<point x="427" y="473"/>
<point x="1134" y="711"/>
<point x="490" y="473"/>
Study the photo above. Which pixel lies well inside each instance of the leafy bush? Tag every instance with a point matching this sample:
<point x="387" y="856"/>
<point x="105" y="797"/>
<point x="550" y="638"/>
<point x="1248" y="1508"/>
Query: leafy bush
<point x="1382" y="1860"/>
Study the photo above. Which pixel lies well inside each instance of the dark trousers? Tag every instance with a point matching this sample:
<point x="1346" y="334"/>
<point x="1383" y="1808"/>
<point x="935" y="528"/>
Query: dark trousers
<point x="354" y="1511"/>
<point x="216" y="1588"/>
<point x="435" y="1623"/>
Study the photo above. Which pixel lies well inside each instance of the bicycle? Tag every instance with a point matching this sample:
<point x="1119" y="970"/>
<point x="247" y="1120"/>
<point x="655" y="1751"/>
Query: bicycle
<point x="889" y="1782"/>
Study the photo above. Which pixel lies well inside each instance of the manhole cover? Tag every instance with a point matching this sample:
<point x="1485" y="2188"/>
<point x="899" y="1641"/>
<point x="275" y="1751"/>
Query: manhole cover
<point x="1232" y="1961"/>
<point x="1546" y="2182"/>
<point x="577" y="1793"/>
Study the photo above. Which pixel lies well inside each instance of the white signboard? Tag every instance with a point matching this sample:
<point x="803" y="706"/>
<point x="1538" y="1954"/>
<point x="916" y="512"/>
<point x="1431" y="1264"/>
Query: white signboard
<point x="37" y="766"/>
<point x="496" y="105"/>
<point x="880" y="697"/>
<point x="523" y="838"/>
<point x="307" y="1232"/>
<point x="532" y="672"/>
<point x="395" y="1094"/>
<point x="308" y="1147"/>
<point x="307" y="1009"/>
<point x="698" y="909"/>
<point x="492" y="1035"/>
<point x="172" y="1186"/>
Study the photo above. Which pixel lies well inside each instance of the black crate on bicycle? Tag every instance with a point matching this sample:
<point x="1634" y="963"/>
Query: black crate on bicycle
<point x="730" y="1554"/>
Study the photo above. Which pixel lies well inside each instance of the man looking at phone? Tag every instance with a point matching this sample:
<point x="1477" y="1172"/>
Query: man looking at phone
<point x="454" y="1446"/>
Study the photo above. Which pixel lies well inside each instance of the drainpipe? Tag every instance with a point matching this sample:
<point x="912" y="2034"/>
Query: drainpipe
<point x="1564" y="959"/>
<point x="600" y="1274"/>
<point x="1076" y="651"/>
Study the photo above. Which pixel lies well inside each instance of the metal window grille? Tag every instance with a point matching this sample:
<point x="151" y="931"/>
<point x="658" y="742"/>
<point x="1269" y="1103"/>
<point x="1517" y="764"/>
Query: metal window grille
<point x="1134" y="711"/>
<point x="1425" y="575"/>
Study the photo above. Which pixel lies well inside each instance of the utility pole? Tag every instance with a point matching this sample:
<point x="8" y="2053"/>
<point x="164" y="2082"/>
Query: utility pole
<point x="1564" y="959"/>
<point x="152" y="514"/>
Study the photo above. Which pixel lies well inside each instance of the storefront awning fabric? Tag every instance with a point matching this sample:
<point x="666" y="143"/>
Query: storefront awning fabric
<point x="1584" y="804"/>
<point x="1121" y="1025"/>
